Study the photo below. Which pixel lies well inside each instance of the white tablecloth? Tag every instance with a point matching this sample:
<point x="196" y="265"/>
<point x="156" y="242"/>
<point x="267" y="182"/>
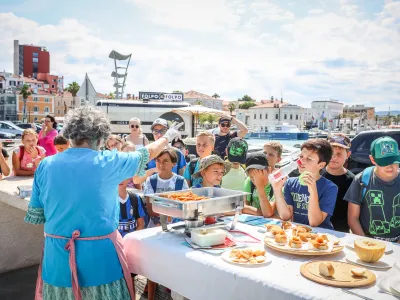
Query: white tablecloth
<point x="194" y="274"/>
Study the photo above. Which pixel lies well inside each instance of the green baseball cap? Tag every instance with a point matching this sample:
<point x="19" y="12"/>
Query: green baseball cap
<point x="385" y="151"/>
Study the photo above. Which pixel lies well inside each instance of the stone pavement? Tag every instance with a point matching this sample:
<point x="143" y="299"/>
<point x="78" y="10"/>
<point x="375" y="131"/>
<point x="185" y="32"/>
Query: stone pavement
<point x="20" y="285"/>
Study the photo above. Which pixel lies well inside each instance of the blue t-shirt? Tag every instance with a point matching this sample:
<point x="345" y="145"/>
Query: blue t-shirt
<point x="129" y="212"/>
<point x="194" y="180"/>
<point x="179" y="165"/>
<point x="297" y="195"/>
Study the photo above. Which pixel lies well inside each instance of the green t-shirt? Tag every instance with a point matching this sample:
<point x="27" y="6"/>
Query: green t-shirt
<point x="255" y="200"/>
<point x="234" y="180"/>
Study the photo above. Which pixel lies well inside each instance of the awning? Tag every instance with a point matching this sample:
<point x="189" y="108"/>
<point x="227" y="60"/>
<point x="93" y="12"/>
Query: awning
<point x="198" y="110"/>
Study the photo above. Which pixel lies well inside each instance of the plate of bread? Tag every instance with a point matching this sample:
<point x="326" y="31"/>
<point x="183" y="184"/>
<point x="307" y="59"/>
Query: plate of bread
<point x="300" y="240"/>
<point x="337" y="273"/>
<point x="246" y="257"/>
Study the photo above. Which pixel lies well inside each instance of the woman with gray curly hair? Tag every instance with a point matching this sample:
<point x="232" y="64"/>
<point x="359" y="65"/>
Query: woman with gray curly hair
<point x="74" y="195"/>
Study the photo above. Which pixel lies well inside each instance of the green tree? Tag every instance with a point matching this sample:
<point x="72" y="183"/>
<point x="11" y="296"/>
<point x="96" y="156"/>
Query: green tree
<point x="247" y="105"/>
<point x="198" y="102"/>
<point x="25" y="92"/>
<point x="246" y="98"/>
<point x="111" y="95"/>
<point x="231" y="107"/>
<point x="73" y="88"/>
<point x="216" y="96"/>
<point x="177" y="91"/>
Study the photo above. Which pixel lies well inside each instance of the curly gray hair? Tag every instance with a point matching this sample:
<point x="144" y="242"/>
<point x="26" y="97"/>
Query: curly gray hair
<point x="86" y="124"/>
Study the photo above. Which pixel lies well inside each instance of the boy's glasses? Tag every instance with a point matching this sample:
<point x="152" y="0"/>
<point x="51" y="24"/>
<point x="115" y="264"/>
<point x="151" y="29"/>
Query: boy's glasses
<point x="135" y="126"/>
<point x="225" y="125"/>
<point x="161" y="131"/>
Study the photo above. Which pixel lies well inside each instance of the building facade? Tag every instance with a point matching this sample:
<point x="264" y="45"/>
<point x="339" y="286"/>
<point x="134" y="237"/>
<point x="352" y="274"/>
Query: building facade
<point x="196" y="98"/>
<point x="30" y="60"/>
<point x="64" y="102"/>
<point x="325" y="113"/>
<point x="359" y="111"/>
<point x="37" y="106"/>
<point x="10" y="82"/>
<point x="8" y="107"/>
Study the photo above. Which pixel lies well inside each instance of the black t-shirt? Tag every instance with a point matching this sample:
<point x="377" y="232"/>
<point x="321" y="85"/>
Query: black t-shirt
<point x="221" y="142"/>
<point x="343" y="182"/>
<point x="5" y="154"/>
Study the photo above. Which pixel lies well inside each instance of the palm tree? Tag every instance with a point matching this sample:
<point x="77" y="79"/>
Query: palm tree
<point x="231" y="107"/>
<point x="111" y="95"/>
<point x="215" y="96"/>
<point x="73" y="88"/>
<point x="25" y="92"/>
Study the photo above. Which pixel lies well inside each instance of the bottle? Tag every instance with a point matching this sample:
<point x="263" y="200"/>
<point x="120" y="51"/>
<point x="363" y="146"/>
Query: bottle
<point x="283" y="172"/>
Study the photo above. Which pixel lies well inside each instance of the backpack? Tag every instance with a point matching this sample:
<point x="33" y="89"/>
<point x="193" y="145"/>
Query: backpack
<point x="178" y="183"/>
<point x="133" y="196"/>
<point x="365" y="179"/>
<point x="253" y="187"/>
<point x="192" y="166"/>
<point x="22" y="152"/>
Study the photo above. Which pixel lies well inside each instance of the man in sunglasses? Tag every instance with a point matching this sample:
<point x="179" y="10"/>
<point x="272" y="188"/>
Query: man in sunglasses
<point x="159" y="128"/>
<point x="225" y="135"/>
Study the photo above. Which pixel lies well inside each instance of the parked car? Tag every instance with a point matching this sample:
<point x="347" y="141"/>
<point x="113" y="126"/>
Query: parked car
<point x="360" y="148"/>
<point x="9" y="127"/>
<point x="29" y="125"/>
<point x="7" y="136"/>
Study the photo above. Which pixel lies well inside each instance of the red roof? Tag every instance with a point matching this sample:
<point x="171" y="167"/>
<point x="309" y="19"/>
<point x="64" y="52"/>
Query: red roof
<point x="101" y="95"/>
<point x="32" y="80"/>
<point x="269" y="104"/>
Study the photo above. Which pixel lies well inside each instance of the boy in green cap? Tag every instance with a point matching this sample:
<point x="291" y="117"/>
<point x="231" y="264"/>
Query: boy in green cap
<point x="374" y="195"/>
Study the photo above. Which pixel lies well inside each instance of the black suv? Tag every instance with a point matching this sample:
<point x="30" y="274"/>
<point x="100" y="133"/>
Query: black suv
<point x="360" y="148"/>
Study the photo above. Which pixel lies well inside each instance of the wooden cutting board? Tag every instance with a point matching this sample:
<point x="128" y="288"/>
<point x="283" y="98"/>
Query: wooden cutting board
<point x="342" y="277"/>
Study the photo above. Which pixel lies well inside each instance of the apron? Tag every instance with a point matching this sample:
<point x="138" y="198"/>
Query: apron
<point x="116" y="239"/>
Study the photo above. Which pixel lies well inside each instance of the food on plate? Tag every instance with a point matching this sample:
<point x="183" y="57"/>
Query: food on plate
<point x="304" y="236"/>
<point x="300" y="229"/>
<point x="325" y="237"/>
<point x="369" y="250"/>
<point x="326" y="269"/>
<point x="295" y="242"/>
<point x="313" y="236"/>
<point x="250" y="256"/>
<point x="319" y="243"/>
<point x="184" y="196"/>
<point x="359" y="272"/>
<point x="286" y="225"/>
<point x="281" y="239"/>
<point x="272" y="227"/>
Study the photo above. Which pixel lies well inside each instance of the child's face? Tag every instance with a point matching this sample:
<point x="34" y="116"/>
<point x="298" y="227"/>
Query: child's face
<point x="339" y="157"/>
<point x="213" y="174"/>
<point x="29" y="140"/>
<point x="272" y="156"/>
<point x="181" y="147"/>
<point x="388" y="172"/>
<point x="164" y="164"/>
<point x="204" y="146"/>
<point x="114" y="144"/>
<point x="62" y="148"/>
<point x="309" y="161"/>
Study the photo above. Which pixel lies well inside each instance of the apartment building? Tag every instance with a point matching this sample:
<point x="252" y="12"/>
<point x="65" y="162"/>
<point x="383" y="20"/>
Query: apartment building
<point x="38" y="105"/>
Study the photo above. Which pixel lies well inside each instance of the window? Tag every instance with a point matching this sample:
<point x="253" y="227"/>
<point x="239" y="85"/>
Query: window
<point x="39" y="85"/>
<point x="255" y="116"/>
<point x="276" y="116"/>
<point x="35" y="109"/>
<point x="35" y="54"/>
<point x="58" y="112"/>
<point x="266" y="116"/>
<point x="35" y="60"/>
<point x="46" y="110"/>
<point x="260" y="116"/>
<point x="52" y="86"/>
<point x="46" y="100"/>
<point x="297" y="117"/>
<point x="35" y="99"/>
<point x="58" y="103"/>
<point x="35" y="119"/>
<point x="291" y="117"/>
<point x="285" y="117"/>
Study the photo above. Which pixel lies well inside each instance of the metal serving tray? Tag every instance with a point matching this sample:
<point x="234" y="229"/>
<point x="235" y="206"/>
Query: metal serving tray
<point x="221" y="201"/>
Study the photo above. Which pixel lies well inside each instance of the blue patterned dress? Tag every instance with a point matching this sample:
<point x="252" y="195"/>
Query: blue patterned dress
<point x="78" y="190"/>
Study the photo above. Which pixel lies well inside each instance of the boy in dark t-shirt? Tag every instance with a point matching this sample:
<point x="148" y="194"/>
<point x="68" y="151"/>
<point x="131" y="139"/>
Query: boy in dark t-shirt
<point x="339" y="175"/>
<point x="225" y="135"/>
<point x="374" y="195"/>
<point x="309" y="199"/>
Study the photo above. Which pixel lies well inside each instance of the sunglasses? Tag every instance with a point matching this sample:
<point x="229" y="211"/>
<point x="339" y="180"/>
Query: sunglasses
<point x="161" y="131"/>
<point x="225" y="125"/>
<point x="135" y="126"/>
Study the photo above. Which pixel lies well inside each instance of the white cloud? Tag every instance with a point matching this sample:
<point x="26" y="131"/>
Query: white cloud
<point x="316" y="11"/>
<point x="231" y="56"/>
<point x="266" y="10"/>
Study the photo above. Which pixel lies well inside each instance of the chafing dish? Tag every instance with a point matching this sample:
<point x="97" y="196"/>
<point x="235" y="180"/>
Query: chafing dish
<point x="194" y="212"/>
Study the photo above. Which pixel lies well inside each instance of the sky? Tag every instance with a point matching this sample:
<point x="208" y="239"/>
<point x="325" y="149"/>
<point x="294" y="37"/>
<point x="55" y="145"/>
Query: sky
<point x="306" y="50"/>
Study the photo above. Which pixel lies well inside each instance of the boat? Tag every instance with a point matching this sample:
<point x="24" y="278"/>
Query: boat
<point x="279" y="132"/>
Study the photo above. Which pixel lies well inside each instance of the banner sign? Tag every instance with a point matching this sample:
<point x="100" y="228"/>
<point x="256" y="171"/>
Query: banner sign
<point x="167" y="97"/>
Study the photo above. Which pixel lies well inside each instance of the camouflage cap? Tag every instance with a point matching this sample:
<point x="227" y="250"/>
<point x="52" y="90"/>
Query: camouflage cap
<point x="211" y="160"/>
